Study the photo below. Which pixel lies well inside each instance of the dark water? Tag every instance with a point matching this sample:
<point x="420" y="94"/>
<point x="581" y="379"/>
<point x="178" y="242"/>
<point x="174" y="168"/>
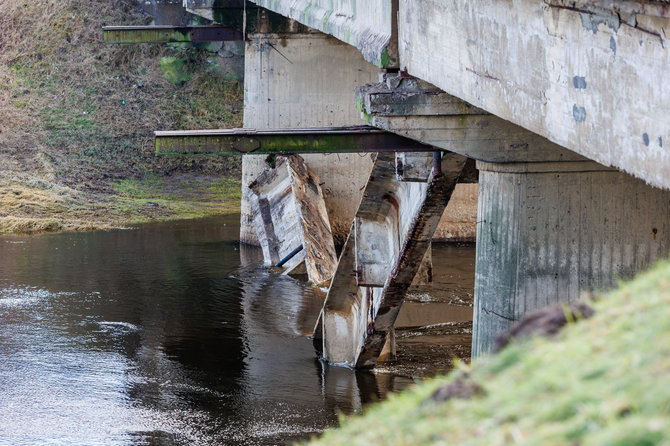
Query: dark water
<point x="169" y="334"/>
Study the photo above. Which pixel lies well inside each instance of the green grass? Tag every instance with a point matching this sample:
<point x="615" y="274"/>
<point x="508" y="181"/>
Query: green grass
<point x="77" y="116"/>
<point x="156" y="197"/>
<point x="603" y="381"/>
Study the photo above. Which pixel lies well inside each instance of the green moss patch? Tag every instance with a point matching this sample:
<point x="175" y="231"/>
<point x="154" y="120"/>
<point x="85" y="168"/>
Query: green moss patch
<point x="175" y="70"/>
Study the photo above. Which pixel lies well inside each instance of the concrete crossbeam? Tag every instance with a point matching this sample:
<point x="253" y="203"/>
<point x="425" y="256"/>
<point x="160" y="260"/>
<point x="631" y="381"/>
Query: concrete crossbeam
<point x="423" y="112"/>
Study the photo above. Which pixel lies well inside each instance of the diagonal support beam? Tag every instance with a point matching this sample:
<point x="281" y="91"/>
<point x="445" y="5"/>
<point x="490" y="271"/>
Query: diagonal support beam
<point x="425" y="222"/>
<point x="392" y="230"/>
<point x="169" y="34"/>
<point x="284" y="141"/>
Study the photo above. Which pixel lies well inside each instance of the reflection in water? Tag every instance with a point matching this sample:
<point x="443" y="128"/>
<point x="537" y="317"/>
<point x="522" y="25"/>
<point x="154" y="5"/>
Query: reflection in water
<point x="166" y="334"/>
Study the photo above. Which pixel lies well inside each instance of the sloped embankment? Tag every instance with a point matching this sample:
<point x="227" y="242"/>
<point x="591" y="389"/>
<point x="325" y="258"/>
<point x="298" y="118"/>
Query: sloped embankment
<point x="77" y="120"/>
<point x="603" y="380"/>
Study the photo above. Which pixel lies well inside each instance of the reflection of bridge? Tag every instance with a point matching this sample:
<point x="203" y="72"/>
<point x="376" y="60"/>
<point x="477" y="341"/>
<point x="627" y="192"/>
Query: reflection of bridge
<point x="562" y="103"/>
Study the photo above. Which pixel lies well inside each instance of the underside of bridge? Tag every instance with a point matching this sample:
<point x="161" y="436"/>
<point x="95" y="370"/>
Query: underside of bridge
<point x="563" y="104"/>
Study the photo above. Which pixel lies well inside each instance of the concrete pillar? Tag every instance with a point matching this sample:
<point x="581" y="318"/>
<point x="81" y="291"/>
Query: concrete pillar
<point x="307" y="80"/>
<point x="547" y="232"/>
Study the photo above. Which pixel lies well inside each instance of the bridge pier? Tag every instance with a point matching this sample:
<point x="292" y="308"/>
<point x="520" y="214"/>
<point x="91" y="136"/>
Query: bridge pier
<point x="551" y="224"/>
<point x="296" y="78"/>
<point x="547" y="232"/>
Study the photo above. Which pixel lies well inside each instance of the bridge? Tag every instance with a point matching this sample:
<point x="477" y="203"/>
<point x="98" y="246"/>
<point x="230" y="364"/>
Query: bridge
<point x="564" y="105"/>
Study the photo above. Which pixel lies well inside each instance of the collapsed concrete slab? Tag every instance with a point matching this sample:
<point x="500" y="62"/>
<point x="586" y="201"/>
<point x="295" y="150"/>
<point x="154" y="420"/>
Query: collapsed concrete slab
<point x="389" y="238"/>
<point x="291" y="220"/>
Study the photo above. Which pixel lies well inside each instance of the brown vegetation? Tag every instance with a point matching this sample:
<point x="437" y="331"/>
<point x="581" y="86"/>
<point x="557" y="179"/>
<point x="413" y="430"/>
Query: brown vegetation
<point x="77" y="117"/>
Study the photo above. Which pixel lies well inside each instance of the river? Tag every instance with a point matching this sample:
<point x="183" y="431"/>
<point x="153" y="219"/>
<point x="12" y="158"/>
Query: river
<point x="172" y="334"/>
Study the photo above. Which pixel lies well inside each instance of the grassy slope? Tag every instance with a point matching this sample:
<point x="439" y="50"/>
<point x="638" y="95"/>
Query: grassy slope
<point x="77" y="120"/>
<point x="603" y="381"/>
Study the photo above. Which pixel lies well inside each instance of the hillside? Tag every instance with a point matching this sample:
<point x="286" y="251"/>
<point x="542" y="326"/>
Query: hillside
<point x="77" y="120"/>
<point x="601" y="381"/>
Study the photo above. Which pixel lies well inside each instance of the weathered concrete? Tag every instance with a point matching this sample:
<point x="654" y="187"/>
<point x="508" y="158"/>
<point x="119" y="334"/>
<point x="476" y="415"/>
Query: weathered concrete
<point x="549" y="231"/>
<point x="591" y="79"/>
<point x="305" y="80"/>
<point x="391" y="233"/>
<point x="459" y="221"/>
<point x="225" y="12"/>
<point x="290" y="215"/>
<point x="421" y="111"/>
<point x="369" y="26"/>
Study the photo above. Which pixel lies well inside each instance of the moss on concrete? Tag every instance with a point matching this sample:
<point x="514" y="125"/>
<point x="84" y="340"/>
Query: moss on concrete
<point x="175" y="70"/>
<point x="602" y="381"/>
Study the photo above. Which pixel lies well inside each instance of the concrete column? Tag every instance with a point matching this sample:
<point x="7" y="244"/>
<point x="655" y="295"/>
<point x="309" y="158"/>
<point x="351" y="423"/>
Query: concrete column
<point x="307" y="80"/>
<point x="548" y="232"/>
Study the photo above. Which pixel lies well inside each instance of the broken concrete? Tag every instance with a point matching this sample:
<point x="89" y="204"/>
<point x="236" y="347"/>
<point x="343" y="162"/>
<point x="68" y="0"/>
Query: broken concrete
<point x="391" y="233"/>
<point x="291" y="221"/>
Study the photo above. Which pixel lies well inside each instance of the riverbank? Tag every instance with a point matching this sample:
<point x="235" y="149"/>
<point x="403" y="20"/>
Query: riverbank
<point x="601" y="381"/>
<point x="77" y="119"/>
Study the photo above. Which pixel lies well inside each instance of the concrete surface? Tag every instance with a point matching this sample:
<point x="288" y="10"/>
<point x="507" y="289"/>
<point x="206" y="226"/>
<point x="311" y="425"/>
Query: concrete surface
<point x="547" y="232"/>
<point x="306" y="80"/>
<point x="591" y="78"/>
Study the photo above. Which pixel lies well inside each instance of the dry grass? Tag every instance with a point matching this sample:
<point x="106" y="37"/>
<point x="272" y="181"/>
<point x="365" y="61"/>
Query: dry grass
<point x="77" y="116"/>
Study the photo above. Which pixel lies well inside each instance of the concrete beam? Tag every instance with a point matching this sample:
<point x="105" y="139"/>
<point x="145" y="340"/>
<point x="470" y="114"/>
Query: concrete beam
<point x="357" y="139"/>
<point x="418" y="110"/>
<point x="223" y="12"/>
<point x="168" y="34"/>
<point x="590" y="79"/>
<point x="369" y="26"/>
<point x="391" y="233"/>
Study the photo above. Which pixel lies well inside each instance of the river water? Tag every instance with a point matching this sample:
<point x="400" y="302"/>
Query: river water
<point x="172" y="334"/>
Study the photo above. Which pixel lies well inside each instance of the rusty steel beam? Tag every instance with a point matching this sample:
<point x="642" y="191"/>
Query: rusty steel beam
<point x="169" y="34"/>
<point x="284" y="141"/>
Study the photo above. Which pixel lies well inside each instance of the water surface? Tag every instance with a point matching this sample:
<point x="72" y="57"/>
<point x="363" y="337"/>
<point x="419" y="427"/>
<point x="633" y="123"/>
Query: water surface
<point x="173" y="334"/>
